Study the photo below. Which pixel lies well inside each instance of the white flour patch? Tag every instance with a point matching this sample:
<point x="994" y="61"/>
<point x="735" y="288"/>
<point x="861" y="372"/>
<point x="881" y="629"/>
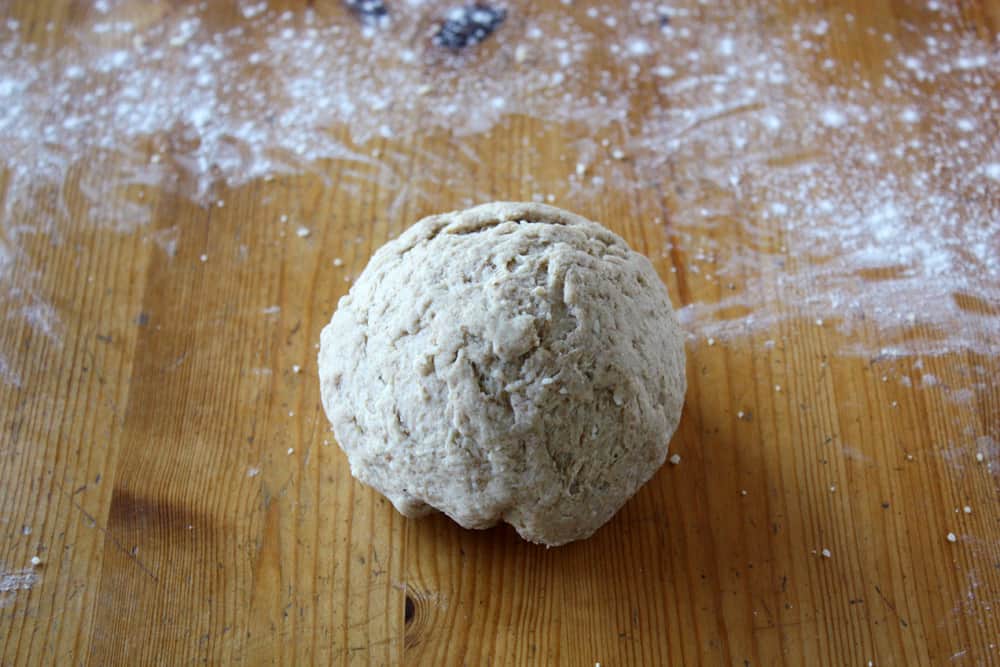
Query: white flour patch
<point x="14" y="581"/>
<point x="7" y="373"/>
<point x="877" y="222"/>
<point x="854" y="454"/>
<point x="18" y="580"/>
<point x="166" y="240"/>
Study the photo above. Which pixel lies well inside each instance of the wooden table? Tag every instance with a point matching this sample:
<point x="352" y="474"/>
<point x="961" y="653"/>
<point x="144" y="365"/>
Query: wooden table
<point x="164" y="454"/>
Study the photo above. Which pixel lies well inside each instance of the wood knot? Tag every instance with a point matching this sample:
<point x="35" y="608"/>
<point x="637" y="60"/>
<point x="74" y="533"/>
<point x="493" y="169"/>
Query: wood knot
<point x="409" y="610"/>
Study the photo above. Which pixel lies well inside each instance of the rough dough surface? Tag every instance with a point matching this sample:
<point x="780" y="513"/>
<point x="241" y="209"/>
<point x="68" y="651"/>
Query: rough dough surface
<point x="512" y="362"/>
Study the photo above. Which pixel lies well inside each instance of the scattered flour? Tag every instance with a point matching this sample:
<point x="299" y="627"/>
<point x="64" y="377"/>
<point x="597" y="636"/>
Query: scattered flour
<point x="850" y="194"/>
<point x="18" y="580"/>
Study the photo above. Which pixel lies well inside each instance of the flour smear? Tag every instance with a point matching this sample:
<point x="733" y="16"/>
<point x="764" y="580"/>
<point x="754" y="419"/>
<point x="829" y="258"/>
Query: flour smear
<point x="877" y="196"/>
<point x="12" y="581"/>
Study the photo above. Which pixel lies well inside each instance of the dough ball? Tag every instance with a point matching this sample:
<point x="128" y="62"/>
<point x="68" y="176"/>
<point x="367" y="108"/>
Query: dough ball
<point x="512" y="362"/>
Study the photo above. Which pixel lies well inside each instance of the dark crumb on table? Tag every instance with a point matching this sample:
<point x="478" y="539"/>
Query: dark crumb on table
<point x="369" y="12"/>
<point x="468" y="26"/>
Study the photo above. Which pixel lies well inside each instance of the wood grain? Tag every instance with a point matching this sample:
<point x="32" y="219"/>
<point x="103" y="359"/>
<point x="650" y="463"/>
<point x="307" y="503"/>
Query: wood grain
<point x="182" y="487"/>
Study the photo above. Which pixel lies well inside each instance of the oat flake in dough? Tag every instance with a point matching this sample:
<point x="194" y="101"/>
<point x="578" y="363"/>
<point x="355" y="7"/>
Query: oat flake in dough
<point x="512" y="362"/>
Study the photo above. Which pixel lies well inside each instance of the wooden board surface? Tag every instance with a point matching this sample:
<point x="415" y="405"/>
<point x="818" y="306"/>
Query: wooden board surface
<point x="175" y="474"/>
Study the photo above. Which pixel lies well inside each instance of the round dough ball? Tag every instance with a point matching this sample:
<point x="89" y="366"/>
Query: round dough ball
<point x="512" y="362"/>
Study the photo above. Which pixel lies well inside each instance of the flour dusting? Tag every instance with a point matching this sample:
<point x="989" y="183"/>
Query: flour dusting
<point x="18" y="580"/>
<point x="801" y="185"/>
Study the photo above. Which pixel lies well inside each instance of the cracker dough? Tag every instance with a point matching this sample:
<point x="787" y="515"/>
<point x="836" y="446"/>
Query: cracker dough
<point x="511" y="362"/>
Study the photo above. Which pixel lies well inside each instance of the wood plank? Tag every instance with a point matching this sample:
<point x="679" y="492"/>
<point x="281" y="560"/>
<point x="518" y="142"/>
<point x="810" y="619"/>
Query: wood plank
<point x="164" y="452"/>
